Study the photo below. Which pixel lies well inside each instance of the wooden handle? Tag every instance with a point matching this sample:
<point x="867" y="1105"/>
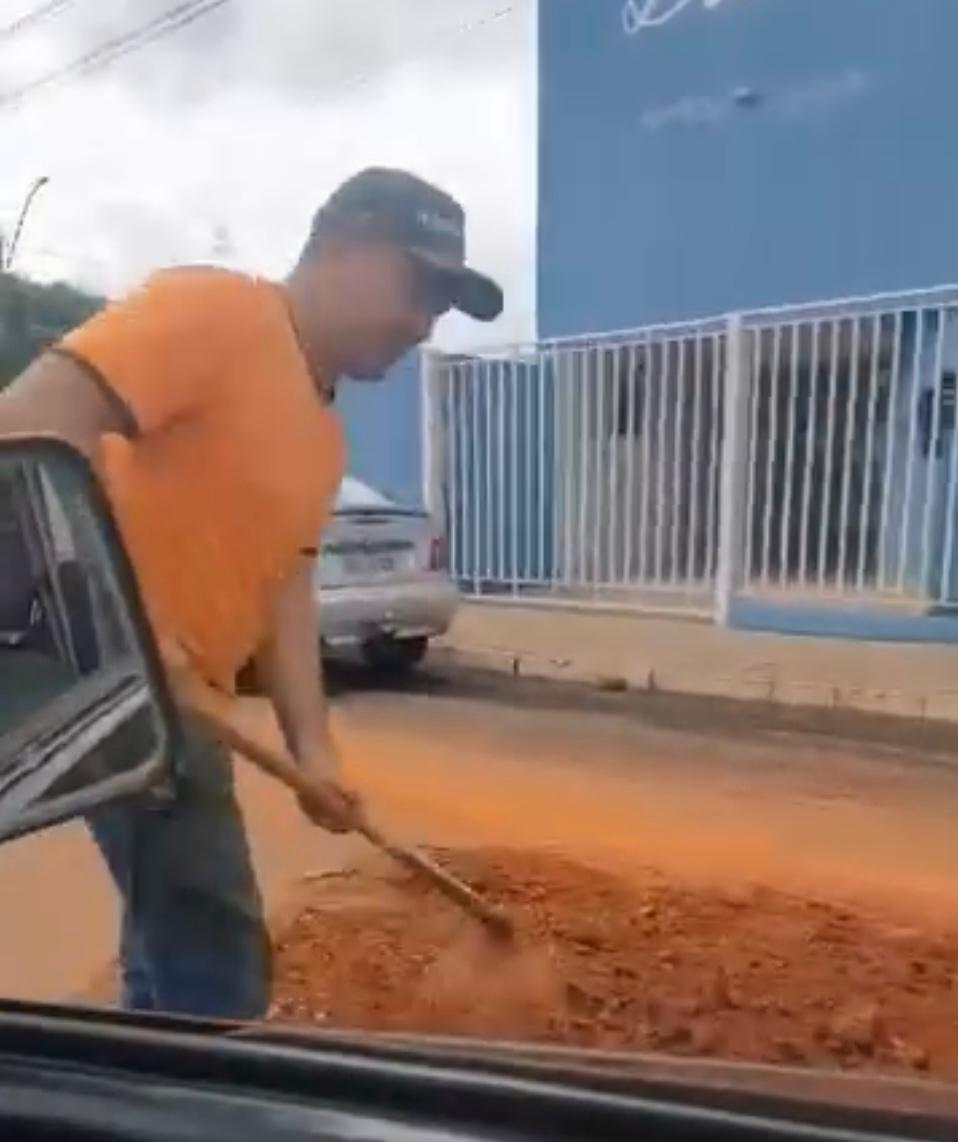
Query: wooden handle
<point x="215" y="710"/>
<point x="451" y="886"/>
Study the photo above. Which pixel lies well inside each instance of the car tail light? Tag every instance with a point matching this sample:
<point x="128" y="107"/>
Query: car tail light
<point x="437" y="554"/>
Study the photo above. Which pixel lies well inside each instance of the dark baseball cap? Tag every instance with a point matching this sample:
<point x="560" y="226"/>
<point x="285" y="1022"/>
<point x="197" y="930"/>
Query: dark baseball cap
<point x="397" y="207"/>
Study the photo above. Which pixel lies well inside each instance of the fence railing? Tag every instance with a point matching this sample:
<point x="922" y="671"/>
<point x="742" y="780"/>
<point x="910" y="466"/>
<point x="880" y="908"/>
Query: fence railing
<point x="805" y="452"/>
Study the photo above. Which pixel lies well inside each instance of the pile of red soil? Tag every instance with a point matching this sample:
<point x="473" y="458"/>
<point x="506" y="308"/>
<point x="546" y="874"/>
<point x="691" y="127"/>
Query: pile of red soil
<point x="635" y="964"/>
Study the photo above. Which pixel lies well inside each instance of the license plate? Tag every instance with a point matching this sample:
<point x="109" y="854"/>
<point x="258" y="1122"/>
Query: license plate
<point x="366" y="565"/>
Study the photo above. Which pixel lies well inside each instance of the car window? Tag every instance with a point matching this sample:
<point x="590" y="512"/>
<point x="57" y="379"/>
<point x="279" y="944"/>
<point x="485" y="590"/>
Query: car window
<point x="355" y="495"/>
<point x="686" y="514"/>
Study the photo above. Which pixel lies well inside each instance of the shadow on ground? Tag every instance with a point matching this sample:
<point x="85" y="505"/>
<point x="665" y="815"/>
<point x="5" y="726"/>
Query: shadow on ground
<point x="444" y="677"/>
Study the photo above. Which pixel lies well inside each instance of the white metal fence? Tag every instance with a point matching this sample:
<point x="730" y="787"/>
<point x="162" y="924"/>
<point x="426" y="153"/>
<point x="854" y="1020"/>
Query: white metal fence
<point x="852" y="466"/>
<point x="806" y="452"/>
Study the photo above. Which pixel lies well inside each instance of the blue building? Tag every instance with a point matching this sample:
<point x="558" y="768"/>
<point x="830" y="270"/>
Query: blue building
<point x="383" y="423"/>
<point x="714" y="177"/>
<point x="702" y="156"/>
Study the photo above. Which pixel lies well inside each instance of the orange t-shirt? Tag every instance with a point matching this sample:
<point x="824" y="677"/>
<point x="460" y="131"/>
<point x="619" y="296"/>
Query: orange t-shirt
<point x="234" y="460"/>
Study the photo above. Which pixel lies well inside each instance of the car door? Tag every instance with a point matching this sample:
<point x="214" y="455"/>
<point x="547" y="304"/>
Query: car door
<point x="85" y="715"/>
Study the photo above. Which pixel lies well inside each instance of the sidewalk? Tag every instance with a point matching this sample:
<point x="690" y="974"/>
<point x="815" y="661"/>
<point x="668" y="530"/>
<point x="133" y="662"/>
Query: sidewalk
<point x="616" y="650"/>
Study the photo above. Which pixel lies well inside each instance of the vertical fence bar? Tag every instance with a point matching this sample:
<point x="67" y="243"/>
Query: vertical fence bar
<point x="734" y="471"/>
<point x="645" y="501"/>
<point x="631" y="443"/>
<point x="526" y="524"/>
<point x="583" y="466"/>
<point x="752" y="564"/>
<point x="502" y="470"/>
<point x="871" y="427"/>
<point x="931" y="467"/>
<point x="851" y="410"/>
<point x="678" y="443"/>
<point x="489" y="529"/>
<point x="615" y="444"/>
<point x="544" y="361"/>
<point x="466" y="443"/>
<point x="599" y="440"/>
<point x="570" y="461"/>
<point x="891" y="436"/>
<point x="772" y="446"/>
<point x="823" y="529"/>
<point x="695" y="466"/>
<point x="449" y="378"/>
<point x="462" y="426"/>
<point x="517" y="390"/>
<point x="811" y="432"/>
<point x="788" y="481"/>
<point x="475" y="495"/>
<point x="948" y="546"/>
<point x="715" y="452"/>
<point x="907" y="513"/>
<point x="661" y="460"/>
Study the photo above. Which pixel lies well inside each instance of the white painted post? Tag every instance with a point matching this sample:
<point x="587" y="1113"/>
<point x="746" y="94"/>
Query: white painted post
<point x="733" y="487"/>
<point x="431" y="433"/>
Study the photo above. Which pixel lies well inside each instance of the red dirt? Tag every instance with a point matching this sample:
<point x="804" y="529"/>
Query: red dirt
<point x="636" y="964"/>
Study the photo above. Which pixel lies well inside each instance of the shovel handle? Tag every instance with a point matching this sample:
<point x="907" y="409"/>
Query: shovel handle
<point x="215" y="710"/>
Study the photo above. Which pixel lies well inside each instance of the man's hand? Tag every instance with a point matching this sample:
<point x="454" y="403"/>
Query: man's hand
<point x="333" y="808"/>
<point x="327" y="803"/>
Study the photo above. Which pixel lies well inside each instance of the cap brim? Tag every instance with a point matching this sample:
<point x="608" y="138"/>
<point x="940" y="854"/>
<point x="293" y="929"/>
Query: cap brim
<point x="474" y="294"/>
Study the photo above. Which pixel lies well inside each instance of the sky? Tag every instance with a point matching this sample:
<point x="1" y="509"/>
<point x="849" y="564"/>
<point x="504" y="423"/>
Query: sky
<point x="216" y="142"/>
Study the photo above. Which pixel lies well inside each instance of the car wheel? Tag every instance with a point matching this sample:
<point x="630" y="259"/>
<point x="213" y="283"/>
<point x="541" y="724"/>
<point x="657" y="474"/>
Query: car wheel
<point x="395" y="656"/>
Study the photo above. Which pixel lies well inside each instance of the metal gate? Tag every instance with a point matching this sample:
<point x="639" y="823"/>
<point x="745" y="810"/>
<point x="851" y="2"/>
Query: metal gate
<point x="803" y="453"/>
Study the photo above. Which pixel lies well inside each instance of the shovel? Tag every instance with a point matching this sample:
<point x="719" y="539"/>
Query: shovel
<point x="215" y="709"/>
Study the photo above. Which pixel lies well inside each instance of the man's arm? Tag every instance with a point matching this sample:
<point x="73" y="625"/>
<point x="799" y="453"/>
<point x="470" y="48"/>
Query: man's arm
<point x="289" y="665"/>
<point x="59" y="396"/>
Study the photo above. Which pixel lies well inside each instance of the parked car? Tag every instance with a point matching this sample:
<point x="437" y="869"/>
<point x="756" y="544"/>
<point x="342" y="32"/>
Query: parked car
<point x="381" y="580"/>
<point x="76" y="737"/>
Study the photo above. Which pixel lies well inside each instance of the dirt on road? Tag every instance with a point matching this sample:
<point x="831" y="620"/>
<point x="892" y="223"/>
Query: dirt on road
<point x="623" y="963"/>
<point x="737" y="896"/>
<point x="743" y="895"/>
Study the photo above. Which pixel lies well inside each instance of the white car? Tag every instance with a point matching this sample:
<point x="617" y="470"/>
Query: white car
<point x="381" y="580"/>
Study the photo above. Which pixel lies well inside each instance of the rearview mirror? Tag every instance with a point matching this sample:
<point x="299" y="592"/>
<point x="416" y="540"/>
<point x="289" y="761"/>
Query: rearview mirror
<point x="85" y="714"/>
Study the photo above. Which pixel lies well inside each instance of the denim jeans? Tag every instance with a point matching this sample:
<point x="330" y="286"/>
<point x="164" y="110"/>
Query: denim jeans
<point x="193" y="938"/>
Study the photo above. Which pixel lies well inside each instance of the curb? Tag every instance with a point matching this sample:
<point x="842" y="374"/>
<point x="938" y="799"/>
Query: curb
<point x="762" y="683"/>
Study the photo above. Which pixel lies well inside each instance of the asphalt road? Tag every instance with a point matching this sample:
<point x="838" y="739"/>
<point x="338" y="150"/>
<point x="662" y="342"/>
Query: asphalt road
<point x="698" y="790"/>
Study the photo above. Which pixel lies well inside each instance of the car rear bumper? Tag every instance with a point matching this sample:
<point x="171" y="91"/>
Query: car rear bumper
<point x="351" y="616"/>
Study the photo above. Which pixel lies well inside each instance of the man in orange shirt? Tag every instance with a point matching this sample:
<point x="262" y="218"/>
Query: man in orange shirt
<point x="205" y="400"/>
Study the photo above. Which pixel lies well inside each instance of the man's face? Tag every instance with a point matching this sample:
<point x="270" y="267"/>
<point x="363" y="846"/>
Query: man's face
<point x="388" y="303"/>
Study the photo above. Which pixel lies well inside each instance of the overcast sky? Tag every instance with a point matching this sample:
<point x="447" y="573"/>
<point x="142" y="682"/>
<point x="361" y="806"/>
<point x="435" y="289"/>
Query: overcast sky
<point x="217" y="142"/>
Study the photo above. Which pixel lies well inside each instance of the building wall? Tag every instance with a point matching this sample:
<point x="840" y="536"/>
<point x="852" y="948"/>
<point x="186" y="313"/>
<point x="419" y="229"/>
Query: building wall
<point x="383" y="431"/>
<point x="741" y="153"/>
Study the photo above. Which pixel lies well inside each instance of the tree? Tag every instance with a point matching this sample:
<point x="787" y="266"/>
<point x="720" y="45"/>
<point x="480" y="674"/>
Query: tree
<point x="34" y="316"/>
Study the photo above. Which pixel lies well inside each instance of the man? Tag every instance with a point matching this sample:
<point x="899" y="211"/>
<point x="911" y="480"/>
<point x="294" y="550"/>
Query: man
<point x="205" y="399"/>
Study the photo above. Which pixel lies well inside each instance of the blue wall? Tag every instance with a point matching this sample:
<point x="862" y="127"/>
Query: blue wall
<point x="383" y="431"/>
<point x="744" y="154"/>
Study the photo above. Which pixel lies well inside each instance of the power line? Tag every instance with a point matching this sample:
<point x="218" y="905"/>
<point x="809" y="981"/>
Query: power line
<point x="118" y="47"/>
<point x="360" y="79"/>
<point x="34" y="16"/>
<point x="187" y="13"/>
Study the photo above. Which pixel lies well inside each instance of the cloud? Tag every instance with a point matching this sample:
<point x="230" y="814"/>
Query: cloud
<point x="304" y="48"/>
<point x="140" y="179"/>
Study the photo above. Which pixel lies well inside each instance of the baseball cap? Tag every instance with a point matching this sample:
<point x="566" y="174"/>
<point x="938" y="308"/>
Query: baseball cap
<point x="397" y="207"/>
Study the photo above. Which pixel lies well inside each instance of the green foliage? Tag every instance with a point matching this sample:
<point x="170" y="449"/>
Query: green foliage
<point x="33" y="316"/>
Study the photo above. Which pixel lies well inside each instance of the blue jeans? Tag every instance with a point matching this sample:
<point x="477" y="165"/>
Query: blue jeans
<point x="193" y="939"/>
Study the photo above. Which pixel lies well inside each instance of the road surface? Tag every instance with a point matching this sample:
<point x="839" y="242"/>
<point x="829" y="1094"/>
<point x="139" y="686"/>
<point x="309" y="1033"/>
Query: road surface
<point x="699" y="801"/>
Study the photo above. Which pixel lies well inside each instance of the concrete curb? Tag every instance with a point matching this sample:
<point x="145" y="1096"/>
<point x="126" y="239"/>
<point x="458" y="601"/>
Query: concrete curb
<point x="772" y="680"/>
